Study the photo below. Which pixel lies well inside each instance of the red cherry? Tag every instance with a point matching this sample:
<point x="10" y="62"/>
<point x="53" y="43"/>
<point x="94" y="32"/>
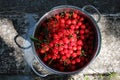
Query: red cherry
<point x="74" y="55"/>
<point x="90" y="51"/>
<point x="61" y="68"/>
<point x="74" y="48"/>
<point x="72" y="27"/>
<point x="58" y="56"/>
<point x="55" y="51"/>
<point x="81" y="64"/>
<point x="81" y="19"/>
<point x="91" y="37"/>
<point x="79" y="47"/>
<point x="65" y="40"/>
<point x="62" y="25"/>
<point x="74" y="15"/>
<point x="82" y="59"/>
<point x="60" y="62"/>
<point x="79" y="23"/>
<point x="49" y="56"/>
<point x="56" y="36"/>
<point x="77" y="60"/>
<point x="68" y="62"/>
<point x="60" y="34"/>
<point x="46" y="47"/>
<point x="73" y="43"/>
<point x="73" y="67"/>
<point x="60" y="48"/>
<point x="67" y="15"/>
<point x="75" y="36"/>
<point x="79" y="42"/>
<point x="45" y="59"/>
<point x="82" y="37"/>
<point x="56" y="41"/>
<point x="42" y="51"/>
<point x="72" y="39"/>
<point x="86" y="31"/>
<point x="83" y="26"/>
<point x="76" y="27"/>
<point x="73" y="62"/>
<point x="68" y="22"/>
<point x="64" y="58"/>
<point x="71" y="31"/>
<point x="65" y="51"/>
<point x="74" y="21"/>
<point x="57" y="17"/>
<point x="68" y="55"/>
<point x="65" y="46"/>
<point x="62" y="52"/>
<point x="77" y="12"/>
<point x="54" y="57"/>
<point x="70" y="47"/>
<point x="61" y="42"/>
<point x="78" y="17"/>
<point x="56" y="25"/>
<point x="82" y="31"/>
<point x="70" y="51"/>
<point x="78" y="52"/>
<point x="62" y="21"/>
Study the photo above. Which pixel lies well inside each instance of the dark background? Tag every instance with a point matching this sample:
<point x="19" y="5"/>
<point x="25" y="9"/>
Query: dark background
<point x="104" y="6"/>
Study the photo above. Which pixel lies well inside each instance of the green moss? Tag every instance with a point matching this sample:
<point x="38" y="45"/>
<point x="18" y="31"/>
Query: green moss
<point x="86" y="78"/>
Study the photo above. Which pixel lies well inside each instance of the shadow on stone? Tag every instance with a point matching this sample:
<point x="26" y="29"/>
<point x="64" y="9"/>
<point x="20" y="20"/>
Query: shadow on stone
<point x="58" y="77"/>
<point x="7" y="59"/>
<point x="113" y="26"/>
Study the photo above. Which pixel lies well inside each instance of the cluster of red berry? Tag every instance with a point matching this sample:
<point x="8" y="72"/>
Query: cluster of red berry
<point x="65" y="41"/>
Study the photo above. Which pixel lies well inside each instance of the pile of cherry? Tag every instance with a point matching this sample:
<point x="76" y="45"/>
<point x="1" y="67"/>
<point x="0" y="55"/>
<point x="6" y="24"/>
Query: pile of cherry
<point x="65" y="41"/>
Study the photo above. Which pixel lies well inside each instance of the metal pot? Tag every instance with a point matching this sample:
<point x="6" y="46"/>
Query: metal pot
<point x="31" y="49"/>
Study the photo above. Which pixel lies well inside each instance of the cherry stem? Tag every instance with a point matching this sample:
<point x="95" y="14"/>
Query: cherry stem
<point x="50" y="61"/>
<point x="45" y="54"/>
<point x="65" y="62"/>
<point x="72" y="58"/>
<point x="83" y="53"/>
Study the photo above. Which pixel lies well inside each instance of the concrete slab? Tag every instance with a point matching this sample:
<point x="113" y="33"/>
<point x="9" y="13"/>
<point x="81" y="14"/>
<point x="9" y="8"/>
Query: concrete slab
<point x="107" y="61"/>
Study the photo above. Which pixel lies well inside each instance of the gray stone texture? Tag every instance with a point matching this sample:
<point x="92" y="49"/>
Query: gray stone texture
<point x="17" y="17"/>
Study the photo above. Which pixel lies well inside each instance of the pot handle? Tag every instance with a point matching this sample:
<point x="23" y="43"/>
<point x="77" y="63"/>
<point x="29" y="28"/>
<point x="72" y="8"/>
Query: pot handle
<point x="22" y="47"/>
<point x="92" y="7"/>
<point x="35" y="71"/>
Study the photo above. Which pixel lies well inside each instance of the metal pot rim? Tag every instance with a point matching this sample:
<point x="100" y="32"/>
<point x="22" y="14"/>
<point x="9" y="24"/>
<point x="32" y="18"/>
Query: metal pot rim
<point x="98" y="34"/>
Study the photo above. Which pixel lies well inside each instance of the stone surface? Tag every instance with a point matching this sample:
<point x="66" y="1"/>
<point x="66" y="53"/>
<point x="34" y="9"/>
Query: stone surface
<point x="11" y="57"/>
<point x="12" y="60"/>
<point x="18" y="16"/>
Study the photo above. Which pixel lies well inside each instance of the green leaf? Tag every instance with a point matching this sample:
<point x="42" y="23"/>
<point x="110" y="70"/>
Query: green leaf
<point x="35" y="39"/>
